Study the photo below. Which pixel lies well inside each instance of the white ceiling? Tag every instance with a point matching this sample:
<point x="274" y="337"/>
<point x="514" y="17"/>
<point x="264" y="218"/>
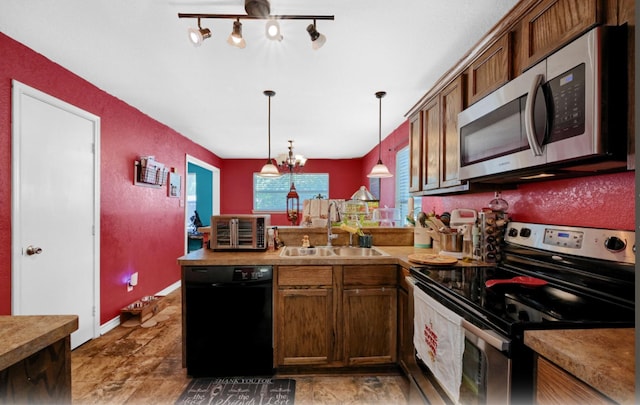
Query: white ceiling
<point x="138" y="51"/>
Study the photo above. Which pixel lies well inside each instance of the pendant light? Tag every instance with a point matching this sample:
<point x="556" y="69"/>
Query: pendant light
<point x="380" y="170"/>
<point x="269" y="169"/>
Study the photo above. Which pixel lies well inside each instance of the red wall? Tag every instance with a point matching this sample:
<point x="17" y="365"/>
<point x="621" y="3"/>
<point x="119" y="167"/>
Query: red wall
<point x="604" y="201"/>
<point x="395" y="141"/>
<point x="141" y="228"/>
<point x="236" y="182"/>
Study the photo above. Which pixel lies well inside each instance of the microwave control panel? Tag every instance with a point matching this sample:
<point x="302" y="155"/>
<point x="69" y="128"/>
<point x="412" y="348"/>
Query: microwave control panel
<point x="567" y="93"/>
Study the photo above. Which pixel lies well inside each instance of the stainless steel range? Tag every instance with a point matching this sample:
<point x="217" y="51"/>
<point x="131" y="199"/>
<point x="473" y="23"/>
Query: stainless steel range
<point x="551" y="277"/>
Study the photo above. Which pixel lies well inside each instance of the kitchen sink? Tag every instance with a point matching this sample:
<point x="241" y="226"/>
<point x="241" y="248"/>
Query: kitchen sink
<point x="356" y="251"/>
<point x="329" y="251"/>
<point x="293" y="251"/>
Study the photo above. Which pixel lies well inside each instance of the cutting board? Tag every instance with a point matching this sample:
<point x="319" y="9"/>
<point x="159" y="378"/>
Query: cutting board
<point x="432" y="259"/>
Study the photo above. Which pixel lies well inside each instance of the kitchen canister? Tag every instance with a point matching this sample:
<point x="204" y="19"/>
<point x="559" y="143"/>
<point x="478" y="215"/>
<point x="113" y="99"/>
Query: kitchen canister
<point x="421" y="237"/>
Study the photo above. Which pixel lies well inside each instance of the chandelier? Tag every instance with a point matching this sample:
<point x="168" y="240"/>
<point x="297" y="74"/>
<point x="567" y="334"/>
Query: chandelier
<point x="294" y="164"/>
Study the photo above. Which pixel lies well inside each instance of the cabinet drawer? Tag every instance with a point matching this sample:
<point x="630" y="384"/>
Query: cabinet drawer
<point x="305" y="275"/>
<point x="370" y="275"/>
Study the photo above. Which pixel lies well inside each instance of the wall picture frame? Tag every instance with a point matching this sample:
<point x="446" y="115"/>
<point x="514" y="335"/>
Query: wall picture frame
<point x="174" y="188"/>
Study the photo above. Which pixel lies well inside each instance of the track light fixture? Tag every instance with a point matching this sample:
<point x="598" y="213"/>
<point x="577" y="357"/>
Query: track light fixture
<point x="272" y="30"/>
<point x="380" y="170"/>
<point x="235" y="38"/>
<point x="198" y="35"/>
<point x="317" y="39"/>
<point x="256" y="10"/>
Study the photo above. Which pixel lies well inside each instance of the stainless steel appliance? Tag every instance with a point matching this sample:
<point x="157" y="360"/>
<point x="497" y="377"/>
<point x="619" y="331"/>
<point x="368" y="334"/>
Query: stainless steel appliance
<point x="563" y="116"/>
<point x="239" y="232"/>
<point x="585" y="279"/>
<point x="227" y="321"/>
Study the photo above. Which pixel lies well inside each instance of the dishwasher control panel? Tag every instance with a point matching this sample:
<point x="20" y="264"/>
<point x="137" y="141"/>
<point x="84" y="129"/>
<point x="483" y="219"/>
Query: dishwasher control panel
<point x="227" y="274"/>
<point x="252" y="273"/>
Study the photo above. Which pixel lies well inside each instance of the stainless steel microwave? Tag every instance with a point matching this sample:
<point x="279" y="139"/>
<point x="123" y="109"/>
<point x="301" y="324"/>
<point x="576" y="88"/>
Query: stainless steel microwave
<point x="239" y="232"/>
<point x="564" y="115"/>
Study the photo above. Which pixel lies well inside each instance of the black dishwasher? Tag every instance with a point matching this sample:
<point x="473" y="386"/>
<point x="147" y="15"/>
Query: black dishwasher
<point x="227" y="320"/>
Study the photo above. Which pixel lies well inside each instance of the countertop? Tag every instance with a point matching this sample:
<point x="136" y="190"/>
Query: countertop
<point x="392" y="255"/>
<point x="602" y="358"/>
<point x="24" y="335"/>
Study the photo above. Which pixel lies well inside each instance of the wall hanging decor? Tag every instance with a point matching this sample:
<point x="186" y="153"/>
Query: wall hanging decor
<point x="175" y="180"/>
<point x="149" y="173"/>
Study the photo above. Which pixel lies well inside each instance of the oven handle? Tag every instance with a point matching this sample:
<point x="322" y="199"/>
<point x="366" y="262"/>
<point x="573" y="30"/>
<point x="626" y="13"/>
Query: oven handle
<point x="494" y="339"/>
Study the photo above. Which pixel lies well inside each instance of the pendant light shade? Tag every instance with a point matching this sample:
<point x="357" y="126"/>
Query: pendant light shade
<point x="380" y="170"/>
<point x="269" y="169"/>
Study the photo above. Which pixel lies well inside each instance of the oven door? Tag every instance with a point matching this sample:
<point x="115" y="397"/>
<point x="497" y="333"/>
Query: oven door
<point x="486" y="371"/>
<point x="486" y="366"/>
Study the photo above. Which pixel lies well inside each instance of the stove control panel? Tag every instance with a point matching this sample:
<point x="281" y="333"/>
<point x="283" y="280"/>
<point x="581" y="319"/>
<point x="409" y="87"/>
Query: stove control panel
<point x="596" y="243"/>
<point x="568" y="239"/>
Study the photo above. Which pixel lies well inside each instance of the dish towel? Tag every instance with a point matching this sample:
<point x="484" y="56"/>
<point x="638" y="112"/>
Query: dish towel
<point x="439" y="341"/>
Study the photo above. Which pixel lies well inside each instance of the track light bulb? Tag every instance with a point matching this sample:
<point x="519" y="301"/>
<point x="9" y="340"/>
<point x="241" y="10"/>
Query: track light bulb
<point x="317" y="39"/>
<point x="272" y="29"/>
<point x="198" y="35"/>
<point x="235" y="38"/>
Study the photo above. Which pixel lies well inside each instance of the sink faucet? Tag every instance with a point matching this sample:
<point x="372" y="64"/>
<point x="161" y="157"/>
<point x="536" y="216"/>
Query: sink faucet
<point x="331" y="236"/>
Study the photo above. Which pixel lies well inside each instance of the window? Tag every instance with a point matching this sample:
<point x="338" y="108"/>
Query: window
<point x="270" y="194"/>
<point x="402" y="185"/>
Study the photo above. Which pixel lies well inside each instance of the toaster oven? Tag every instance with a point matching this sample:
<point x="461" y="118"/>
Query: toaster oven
<point x="239" y="232"/>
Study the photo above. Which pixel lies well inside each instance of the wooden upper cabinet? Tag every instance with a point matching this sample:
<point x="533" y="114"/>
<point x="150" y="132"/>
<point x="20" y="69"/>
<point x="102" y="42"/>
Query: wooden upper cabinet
<point x="415" y="152"/>
<point x="451" y="104"/>
<point x="553" y="23"/>
<point x="431" y="145"/>
<point x="490" y="70"/>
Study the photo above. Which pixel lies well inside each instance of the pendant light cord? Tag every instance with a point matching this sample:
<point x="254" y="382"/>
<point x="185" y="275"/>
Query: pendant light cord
<point x="269" y="129"/>
<point x="380" y="130"/>
<point x="269" y="93"/>
<point x="379" y="95"/>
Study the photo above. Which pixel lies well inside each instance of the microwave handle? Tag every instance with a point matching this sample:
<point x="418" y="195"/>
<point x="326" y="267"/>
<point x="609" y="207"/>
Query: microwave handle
<point x="529" y="117"/>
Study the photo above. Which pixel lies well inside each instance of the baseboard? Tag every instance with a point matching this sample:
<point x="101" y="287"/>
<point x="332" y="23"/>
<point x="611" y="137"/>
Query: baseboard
<point x="170" y="289"/>
<point x="115" y="322"/>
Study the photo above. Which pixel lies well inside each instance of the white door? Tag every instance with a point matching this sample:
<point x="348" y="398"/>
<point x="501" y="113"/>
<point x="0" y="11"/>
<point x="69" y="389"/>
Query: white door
<point x="55" y="212"/>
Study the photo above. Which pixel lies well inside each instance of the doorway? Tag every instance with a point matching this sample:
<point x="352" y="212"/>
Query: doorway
<point x="55" y="210"/>
<point x="202" y="196"/>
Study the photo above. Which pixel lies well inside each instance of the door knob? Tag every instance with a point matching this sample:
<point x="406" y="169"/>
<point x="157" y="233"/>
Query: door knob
<point x="33" y="250"/>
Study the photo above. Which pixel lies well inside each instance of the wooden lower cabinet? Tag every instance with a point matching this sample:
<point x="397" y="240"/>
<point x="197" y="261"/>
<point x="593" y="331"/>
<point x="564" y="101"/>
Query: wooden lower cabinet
<point x="406" y="349"/>
<point x="370" y="322"/>
<point x="556" y="386"/>
<point x="42" y="378"/>
<point x="335" y="316"/>
<point x="305" y="332"/>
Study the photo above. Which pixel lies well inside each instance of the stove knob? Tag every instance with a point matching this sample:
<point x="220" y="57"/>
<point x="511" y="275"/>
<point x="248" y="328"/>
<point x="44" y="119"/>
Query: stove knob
<point x="511" y="308"/>
<point x="615" y="244"/>
<point x="513" y="232"/>
<point x="523" y="316"/>
<point x="525" y="232"/>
